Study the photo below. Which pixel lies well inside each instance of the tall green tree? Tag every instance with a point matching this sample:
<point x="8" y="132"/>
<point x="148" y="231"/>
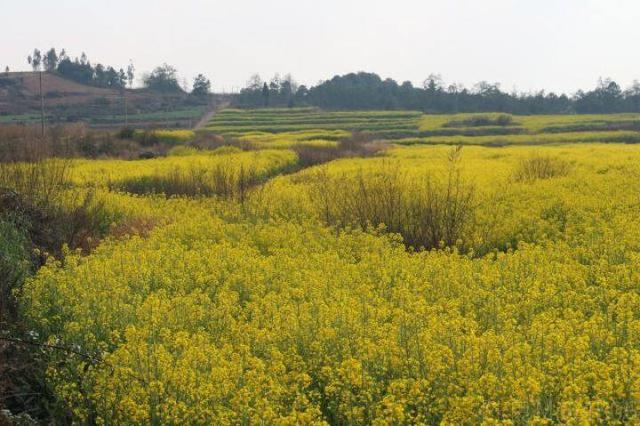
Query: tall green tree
<point x="130" y="73"/>
<point x="35" y="60"/>
<point x="201" y="86"/>
<point x="265" y="94"/>
<point x="50" y="60"/>
<point x="163" y="79"/>
<point x="122" y="78"/>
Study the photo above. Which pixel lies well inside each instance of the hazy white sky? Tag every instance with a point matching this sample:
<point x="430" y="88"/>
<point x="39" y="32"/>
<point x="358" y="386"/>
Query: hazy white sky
<point x="559" y="45"/>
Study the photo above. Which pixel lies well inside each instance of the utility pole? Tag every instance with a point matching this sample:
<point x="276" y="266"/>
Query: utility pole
<point x="41" y="105"/>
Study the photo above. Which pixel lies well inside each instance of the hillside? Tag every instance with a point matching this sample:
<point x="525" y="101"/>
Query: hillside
<point x="20" y="91"/>
<point x="69" y="101"/>
<point x="53" y="83"/>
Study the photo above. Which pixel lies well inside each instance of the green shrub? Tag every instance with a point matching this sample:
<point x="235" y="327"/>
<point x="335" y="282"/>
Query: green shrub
<point x="169" y="137"/>
<point x="126" y="133"/>
<point x="501" y="120"/>
<point x="15" y="265"/>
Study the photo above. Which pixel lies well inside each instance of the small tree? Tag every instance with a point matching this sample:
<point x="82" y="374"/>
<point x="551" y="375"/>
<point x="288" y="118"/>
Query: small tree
<point x="122" y="78"/>
<point x="163" y="79"/>
<point x="255" y="83"/>
<point x="433" y="83"/>
<point x="265" y="94"/>
<point x="100" y="75"/>
<point x="112" y="78"/>
<point x="50" y="60"/>
<point x="130" y="73"/>
<point x="35" y="60"/>
<point x="201" y="86"/>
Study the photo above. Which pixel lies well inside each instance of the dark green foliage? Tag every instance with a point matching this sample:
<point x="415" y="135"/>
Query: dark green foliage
<point x="483" y="121"/>
<point x="126" y="133"/>
<point x="163" y="79"/>
<point x="50" y="60"/>
<point x="607" y="97"/>
<point x="367" y="91"/>
<point x="201" y="86"/>
<point x="79" y="69"/>
<point x="82" y="71"/>
<point x="15" y="264"/>
<point x="594" y="126"/>
<point x="23" y="388"/>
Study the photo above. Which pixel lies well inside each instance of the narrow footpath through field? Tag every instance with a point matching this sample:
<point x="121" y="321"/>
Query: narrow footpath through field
<point x="209" y="115"/>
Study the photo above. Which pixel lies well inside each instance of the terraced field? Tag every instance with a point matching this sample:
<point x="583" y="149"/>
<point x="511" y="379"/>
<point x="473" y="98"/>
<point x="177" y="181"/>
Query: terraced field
<point x="287" y="127"/>
<point x="322" y="124"/>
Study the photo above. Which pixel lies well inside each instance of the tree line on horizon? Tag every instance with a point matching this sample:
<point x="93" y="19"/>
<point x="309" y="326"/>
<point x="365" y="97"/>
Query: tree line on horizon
<point x="368" y="91"/>
<point x="354" y="91"/>
<point x="163" y="78"/>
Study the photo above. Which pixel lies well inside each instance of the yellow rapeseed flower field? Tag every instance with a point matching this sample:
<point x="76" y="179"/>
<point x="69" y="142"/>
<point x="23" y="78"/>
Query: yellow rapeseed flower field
<point x="301" y="303"/>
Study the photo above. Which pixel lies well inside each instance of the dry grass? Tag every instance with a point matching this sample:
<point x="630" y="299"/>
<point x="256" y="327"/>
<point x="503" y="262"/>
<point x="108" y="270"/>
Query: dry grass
<point x="482" y="121"/>
<point x="39" y="198"/>
<point x="431" y="213"/>
<point x="541" y="167"/>
<point x="223" y="180"/>
<point x="42" y="182"/>
<point x="19" y="143"/>
<point x="358" y="145"/>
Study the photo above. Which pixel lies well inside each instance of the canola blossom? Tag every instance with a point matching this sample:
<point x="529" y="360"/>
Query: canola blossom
<point x="261" y="312"/>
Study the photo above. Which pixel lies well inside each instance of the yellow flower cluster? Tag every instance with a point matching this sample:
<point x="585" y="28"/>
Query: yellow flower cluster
<point x="173" y="136"/>
<point x="531" y="123"/>
<point x="525" y="139"/>
<point x="114" y="172"/>
<point x="262" y="315"/>
<point x="314" y="138"/>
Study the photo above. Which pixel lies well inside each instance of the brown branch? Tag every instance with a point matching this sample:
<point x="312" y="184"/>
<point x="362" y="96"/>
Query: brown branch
<point x="94" y="360"/>
<point x="48" y="346"/>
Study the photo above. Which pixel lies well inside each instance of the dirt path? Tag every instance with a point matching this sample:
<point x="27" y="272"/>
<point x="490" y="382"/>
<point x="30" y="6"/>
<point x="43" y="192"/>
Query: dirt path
<point x="209" y="115"/>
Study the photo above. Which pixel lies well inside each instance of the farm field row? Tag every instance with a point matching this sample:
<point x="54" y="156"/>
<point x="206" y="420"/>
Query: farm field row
<point x="94" y="116"/>
<point x="526" y="139"/>
<point x="285" y="127"/>
<point x="292" y="120"/>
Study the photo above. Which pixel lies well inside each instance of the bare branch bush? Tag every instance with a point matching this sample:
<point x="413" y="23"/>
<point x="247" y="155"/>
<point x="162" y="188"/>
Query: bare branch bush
<point x="541" y="167"/>
<point x="430" y="212"/>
